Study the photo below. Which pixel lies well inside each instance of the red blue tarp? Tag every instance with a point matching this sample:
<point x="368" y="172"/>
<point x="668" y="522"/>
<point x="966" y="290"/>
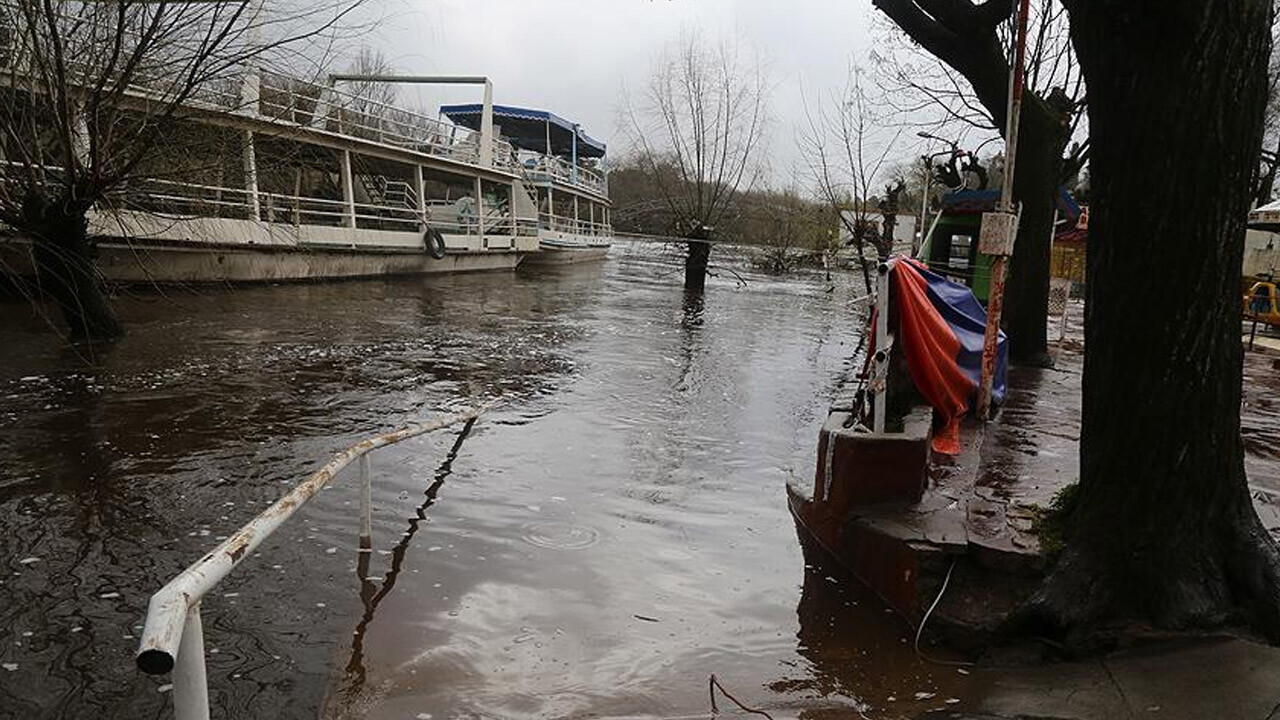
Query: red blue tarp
<point x="941" y="331"/>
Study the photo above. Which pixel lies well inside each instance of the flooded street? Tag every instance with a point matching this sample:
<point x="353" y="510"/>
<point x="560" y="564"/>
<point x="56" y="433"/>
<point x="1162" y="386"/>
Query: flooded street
<point x="611" y="534"/>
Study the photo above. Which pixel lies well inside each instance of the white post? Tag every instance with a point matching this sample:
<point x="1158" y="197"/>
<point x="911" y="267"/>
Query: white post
<point x="591" y="209"/>
<point x="883" y="344"/>
<point x="486" y="126"/>
<point x="577" y="228"/>
<point x="366" y="506"/>
<point x="251" y="175"/>
<point x="190" y="685"/>
<point x="251" y="84"/>
<point x="551" y="207"/>
<point x="479" y="212"/>
<point x="348" y="191"/>
<point x="573" y="175"/>
<point x="419" y="186"/>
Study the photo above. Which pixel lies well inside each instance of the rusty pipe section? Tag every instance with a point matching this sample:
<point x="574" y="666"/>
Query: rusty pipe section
<point x="167" y="611"/>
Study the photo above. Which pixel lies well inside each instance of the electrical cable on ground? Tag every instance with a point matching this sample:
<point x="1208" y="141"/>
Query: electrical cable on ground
<point x="920" y="630"/>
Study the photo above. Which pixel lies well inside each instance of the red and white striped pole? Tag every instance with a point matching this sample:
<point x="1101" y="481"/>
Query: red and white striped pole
<point x="995" y="291"/>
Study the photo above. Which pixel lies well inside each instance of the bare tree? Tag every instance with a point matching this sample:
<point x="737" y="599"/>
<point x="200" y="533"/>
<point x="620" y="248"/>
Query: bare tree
<point x="1269" y="151"/>
<point x="965" y="80"/>
<point x="704" y="112"/>
<point x="845" y="146"/>
<point x="91" y="91"/>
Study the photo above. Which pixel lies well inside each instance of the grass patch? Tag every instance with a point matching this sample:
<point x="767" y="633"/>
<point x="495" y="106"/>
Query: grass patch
<point x="1051" y="524"/>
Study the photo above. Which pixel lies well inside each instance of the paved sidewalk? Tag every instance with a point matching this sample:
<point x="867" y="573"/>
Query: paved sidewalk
<point x="1218" y="678"/>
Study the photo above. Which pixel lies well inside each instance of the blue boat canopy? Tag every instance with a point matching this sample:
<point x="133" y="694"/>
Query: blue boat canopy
<point x="529" y="129"/>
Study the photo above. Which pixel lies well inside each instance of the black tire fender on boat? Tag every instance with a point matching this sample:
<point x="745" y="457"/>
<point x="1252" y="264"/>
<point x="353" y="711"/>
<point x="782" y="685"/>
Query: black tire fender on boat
<point x="434" y="243"/>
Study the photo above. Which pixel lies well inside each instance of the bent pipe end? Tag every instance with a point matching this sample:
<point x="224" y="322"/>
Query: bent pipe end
<point x="162" y="634"/>
<point x="155" y="662"/>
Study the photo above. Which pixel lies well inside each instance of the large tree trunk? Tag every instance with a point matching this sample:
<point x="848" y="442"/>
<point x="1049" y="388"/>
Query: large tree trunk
<point x="1042" y="135"/>
<point x="1164" y="530"/>
<point x="64" y="269"/>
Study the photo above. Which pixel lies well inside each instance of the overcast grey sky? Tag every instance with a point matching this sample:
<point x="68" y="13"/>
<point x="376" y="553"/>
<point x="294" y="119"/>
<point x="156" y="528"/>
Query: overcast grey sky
<point x="573" y="56"/>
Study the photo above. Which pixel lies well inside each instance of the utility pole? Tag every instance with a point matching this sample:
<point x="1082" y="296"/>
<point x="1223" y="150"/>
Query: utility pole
<point x="999" y="228"/>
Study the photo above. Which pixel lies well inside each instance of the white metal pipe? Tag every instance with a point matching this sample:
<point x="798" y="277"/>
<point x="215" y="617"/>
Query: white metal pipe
<point x="251" y="175"/>
<point x="419" y="186"/>
<point x="168" y="612"/>
<point x="882" y="344"/>
<point x="419" y="79"/>
<point x="348" y="190"/>
<point x="190" y="684"/>
<point x="486" y="126"/>
<point x="479" y="211"/>
<point x="251" y="83"/>
<point x="366" y="505"/>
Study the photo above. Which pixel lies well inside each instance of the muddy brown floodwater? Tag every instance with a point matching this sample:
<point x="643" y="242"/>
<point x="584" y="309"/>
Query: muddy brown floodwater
<point x="597" y="546"/>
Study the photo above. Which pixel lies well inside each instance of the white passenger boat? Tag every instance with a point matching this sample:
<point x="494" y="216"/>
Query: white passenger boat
<point x="289" y="180"/>
<point x="563" y="169"/>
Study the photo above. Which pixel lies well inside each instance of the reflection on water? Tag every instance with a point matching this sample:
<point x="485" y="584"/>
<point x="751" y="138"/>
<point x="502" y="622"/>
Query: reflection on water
<point x="372" y="591"/>
<point x="598" y="546"/>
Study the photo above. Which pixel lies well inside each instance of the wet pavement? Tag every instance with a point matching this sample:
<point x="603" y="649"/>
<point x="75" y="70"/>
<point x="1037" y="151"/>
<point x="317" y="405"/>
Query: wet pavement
<point x="1032" y="451"/>
<point x="613" y="533"/>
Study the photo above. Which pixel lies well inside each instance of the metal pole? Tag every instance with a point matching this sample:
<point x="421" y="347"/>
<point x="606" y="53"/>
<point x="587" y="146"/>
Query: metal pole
<point x="190" y="688"/>
<point x="486" y="126"/>
<point x="251" y="83"/>
<point x="918" y="241"/>
<point x="574" y="176"/>
<point x="995" y="290"/>
<point x="479" y="211"/>
<point x="348" y="191"/>
<point x="251" y="176"/>
<point x="882" y="348"/>
<point x="366" y="506"/>
<point x="419" y="187"/>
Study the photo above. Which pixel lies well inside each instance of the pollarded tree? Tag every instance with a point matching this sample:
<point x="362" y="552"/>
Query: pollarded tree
<point x="91" y="92"/>
<point x="704" y="114"/>
<point x="1164" y="530"/>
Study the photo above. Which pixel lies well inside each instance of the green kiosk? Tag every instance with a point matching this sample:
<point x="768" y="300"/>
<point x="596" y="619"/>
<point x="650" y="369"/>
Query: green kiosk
<point x="951" y="246"/>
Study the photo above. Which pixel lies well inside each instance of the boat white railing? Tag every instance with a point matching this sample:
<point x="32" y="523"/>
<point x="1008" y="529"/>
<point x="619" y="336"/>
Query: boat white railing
<point x="190" y="199"/>
<point x="549" y="167"/>
<point x="173" y="636"/>
<point x="354" y="115"/>
<point x="558" y="223"/>
<point x="277" y="97"/>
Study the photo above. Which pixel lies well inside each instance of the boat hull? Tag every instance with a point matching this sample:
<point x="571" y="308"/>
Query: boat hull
<point x="169" y="250"/>
<point x="566" y="256"/>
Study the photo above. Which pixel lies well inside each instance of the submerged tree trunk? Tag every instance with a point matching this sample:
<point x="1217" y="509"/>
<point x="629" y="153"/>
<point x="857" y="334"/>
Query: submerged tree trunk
<point x="64" y="269"/>
<point x="695" y="263"/>
<point x="1163" y="529"/>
